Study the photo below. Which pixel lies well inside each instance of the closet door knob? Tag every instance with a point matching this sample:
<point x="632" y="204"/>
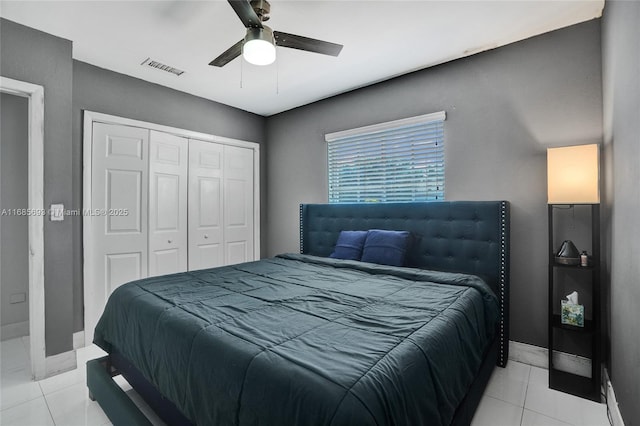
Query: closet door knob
<point x="206" y="236"/>
<point x="169" y="241"/>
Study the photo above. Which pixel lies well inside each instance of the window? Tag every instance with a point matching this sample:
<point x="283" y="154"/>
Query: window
<point x="401" y="160"/>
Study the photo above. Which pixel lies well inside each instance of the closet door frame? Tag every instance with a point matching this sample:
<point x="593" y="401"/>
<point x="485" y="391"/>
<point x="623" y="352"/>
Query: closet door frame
<point x="91" y="117"/>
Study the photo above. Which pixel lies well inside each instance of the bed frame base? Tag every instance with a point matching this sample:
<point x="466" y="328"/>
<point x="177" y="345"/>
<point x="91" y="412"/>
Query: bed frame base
<point x="116" y="403"/>
<point x="112" y="399"/>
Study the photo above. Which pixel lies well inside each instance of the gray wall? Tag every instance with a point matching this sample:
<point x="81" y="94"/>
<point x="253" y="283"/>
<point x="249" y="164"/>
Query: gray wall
<point x="39" y="58"/>
<point x="100" y="90"/>
<point x="14" y="269"/>
<point x="621" y="68"/>
<point x="504" y="108"/>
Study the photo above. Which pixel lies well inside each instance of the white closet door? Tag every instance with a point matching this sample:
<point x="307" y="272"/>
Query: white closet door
<point x="238" y="205"/>
<point x="118" y="214"/>
<point x="205" y="205"/>
<point x="168" y="165"/>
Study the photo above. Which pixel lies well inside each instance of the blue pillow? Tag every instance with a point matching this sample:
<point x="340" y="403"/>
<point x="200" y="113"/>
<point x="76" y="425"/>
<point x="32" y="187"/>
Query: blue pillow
<point x="349" y="245"/>
<point x="385" y="247"/>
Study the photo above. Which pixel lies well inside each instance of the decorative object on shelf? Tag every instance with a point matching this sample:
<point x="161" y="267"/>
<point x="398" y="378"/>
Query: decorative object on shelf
<point x="572" y="175"/>
<point x="568" y="254"/>
<point x="572" y="312"/>
<point x="584" y="258"/>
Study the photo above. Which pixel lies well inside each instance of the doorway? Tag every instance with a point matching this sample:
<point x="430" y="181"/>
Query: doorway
<point x="34" y="95"/>
<point x="14" y="226"/>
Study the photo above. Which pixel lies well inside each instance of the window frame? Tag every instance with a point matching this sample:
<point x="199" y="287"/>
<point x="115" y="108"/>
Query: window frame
<point x="386" y="127"/>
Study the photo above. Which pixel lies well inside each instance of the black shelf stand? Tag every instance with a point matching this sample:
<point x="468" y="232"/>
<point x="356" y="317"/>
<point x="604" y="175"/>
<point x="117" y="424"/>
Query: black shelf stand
<point x="584" y="387"/>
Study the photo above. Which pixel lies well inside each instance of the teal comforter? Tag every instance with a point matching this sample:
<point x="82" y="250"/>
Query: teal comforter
<point x="305" y="340"/>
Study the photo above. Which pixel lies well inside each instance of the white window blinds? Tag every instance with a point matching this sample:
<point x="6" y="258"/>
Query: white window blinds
<point x="401" y="160"/>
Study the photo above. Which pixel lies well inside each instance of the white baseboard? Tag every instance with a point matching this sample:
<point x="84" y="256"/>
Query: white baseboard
<point x="78" y="340"/>
<point x="60" y="363"/>
<point x="612" y="402"/>
<point x="539" y="357"/>
<point x="54" y="364"/>
<point x="529" y="354"/>
<point x="17" y="329"/>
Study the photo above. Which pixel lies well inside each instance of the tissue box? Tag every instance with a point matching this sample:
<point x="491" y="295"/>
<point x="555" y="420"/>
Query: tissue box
<point x="572" y="314"/>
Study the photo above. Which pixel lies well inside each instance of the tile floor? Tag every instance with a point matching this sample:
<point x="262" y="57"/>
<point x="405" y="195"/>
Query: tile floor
<point x="61" y="400"/>
<point x="519" y="395"/>
<point x="516" y="395"/>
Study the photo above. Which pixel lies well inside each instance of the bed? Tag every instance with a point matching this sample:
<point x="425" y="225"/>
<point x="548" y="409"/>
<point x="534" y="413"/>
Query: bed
<point x="308" y="339"/>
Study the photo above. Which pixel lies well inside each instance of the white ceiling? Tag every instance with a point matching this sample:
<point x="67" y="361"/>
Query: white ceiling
<point x="381" y="39"/>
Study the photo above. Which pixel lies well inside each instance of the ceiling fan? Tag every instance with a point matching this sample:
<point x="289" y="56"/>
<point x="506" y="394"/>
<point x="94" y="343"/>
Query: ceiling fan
<point x="259" y="45"/>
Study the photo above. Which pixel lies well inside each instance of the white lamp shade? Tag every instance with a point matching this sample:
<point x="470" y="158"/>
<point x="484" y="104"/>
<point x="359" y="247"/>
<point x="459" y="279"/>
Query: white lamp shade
<point x="259" y="47"/>
<point x="573" y="175"/>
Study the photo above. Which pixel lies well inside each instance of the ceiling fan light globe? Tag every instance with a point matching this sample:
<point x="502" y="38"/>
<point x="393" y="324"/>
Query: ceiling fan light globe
<point x="259" y="52"/>
<point x="259" y="46"/>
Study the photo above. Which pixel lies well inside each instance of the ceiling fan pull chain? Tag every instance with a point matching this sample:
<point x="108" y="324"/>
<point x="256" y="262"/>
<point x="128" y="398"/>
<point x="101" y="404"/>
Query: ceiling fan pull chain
<point x="241" y="74"/>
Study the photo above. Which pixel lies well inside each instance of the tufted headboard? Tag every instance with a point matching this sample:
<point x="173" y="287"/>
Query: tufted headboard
<point x="459" y="236"/>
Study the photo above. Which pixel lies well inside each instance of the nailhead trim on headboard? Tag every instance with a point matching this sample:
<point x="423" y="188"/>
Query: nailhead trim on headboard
<point x="301" y="231"/>
<point x="504" y="345"/>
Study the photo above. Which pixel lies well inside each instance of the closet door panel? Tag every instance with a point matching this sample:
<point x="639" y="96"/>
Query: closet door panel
<point x="205" y="205"/>
<point x="118" y="213"/>
<point x="122" y="268"/>
<point x="238" y="205"/>
<point x="124" y="194"/>
<point x="168" y="165"/>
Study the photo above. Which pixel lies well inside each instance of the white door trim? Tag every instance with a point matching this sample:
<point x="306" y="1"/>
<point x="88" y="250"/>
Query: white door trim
<point x="35" y="94"/>
<point x="90" y="117"/>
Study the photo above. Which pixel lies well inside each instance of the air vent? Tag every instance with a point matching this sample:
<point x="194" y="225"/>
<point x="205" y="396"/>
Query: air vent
<point x="162" y="67"/>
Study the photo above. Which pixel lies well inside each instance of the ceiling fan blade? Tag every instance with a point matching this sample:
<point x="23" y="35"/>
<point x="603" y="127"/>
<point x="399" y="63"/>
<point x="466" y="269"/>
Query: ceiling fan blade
<point x="305" y="43"/>
<point x="245" y="12"/>
<point x="229" y="55"/>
